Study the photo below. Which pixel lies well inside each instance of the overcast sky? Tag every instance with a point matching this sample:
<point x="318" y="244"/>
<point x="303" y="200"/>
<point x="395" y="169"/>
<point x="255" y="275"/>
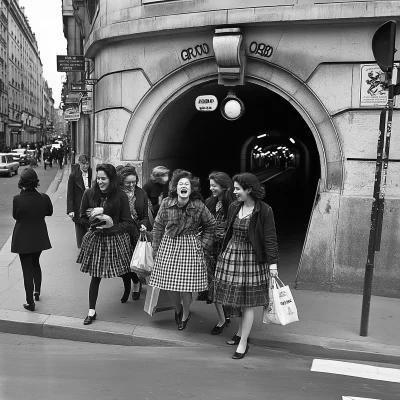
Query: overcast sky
<point x="45" y="19"/>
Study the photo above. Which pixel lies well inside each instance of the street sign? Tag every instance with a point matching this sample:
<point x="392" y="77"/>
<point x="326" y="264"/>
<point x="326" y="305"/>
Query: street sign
<point x="78" y="87"/>
<point x="73" y="98"/>
<point x="87" y="105"/>
<point x="91" y="81"/>
<point x="70" y="63"/>
<point x="72" y="114"/>
<point x="206" y="103"/>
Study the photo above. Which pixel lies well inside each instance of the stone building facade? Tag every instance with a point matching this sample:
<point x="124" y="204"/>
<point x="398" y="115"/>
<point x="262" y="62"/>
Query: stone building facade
<point x="298" y="66"/>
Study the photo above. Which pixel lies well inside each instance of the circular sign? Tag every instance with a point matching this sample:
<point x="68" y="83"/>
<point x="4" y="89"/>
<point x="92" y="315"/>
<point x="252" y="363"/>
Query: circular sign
<point x="232" y="108"/>
<point x="206" y="103"/>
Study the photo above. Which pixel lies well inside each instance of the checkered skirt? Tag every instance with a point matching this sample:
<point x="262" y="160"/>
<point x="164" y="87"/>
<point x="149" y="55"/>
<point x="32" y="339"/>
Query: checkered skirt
<point x="180" y="265"/>
<point x="239" y="281"/>
<point x="105" y="256"/>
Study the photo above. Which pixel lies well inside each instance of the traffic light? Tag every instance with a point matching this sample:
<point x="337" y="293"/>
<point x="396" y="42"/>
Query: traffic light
<point x="383" y="43"/>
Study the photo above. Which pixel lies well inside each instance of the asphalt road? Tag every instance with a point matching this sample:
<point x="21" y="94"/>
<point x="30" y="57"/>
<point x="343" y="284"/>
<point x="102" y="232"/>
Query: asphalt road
<point x="37" y="368"/>
<point x="9" y="188"/>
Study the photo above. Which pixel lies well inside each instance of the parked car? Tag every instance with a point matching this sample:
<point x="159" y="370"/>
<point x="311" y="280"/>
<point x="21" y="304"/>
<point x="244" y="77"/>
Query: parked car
<point x="20" y="155"/>
<point x="8" y="166"/>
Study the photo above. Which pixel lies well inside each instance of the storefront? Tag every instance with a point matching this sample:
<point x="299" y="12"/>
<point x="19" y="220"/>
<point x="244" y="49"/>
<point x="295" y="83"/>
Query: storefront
<point x="301" y="79"/>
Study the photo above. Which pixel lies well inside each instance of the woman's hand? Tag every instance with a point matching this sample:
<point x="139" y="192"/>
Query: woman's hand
<point x="142" y="228"/>
<point x="109" y="222"/>
<point x="273" y="270"/>
<point x="96" y="211"/>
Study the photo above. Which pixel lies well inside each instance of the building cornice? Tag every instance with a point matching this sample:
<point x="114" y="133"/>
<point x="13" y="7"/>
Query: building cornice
<point x="349" y="12"/>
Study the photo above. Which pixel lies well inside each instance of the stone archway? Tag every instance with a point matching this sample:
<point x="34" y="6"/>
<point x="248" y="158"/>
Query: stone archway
<point x="144" y="120"/>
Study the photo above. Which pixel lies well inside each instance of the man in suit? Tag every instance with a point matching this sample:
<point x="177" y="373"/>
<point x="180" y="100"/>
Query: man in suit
<point x="78" y="182"/>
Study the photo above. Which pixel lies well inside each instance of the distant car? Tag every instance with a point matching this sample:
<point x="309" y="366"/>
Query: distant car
<point x="56" y="145"/>
<point x="20" y="155"/>
<point x="8" y="166"/>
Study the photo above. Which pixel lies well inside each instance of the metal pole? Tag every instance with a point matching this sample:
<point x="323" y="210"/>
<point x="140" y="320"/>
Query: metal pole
<point x="378" y="204"/>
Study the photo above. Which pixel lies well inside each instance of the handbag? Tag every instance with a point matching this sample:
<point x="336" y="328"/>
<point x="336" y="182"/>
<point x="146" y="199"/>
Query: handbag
<point x="281" y="309"/>
<point x="157" y="300"/>
<point x="142" y="258"/>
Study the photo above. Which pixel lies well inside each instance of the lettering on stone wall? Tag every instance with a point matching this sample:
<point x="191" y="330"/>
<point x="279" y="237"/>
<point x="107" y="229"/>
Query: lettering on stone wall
<point x="261" y="49"/>
<point x="194" y="52"/>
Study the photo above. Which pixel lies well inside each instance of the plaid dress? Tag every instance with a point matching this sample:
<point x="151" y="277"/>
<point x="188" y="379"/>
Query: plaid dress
<point x="239" y="281"/>
<point x="105" y="256"/>
<point x="180" y="265"/>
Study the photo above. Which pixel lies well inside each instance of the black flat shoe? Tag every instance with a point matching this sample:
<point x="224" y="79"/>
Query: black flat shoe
<point x="239" y="356"/>
<point x="36" y="295"/>
<point x="235" y="341"/>
<point x="182" y="324"/>
<point x="30" y="307"/>
<point x="218" y="329"/>
<point x="136" y="295"/>
<point x="88" y="320"/>
<point x="178" y="317"/>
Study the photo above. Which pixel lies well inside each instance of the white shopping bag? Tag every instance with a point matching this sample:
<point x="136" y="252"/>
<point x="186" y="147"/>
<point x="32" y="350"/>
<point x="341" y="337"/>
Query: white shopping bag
<point x="282" y="309"/>
<point x="142" y="259"/>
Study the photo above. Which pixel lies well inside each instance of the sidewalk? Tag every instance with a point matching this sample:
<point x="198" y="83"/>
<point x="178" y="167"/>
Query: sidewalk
<point x="329" y="322"/>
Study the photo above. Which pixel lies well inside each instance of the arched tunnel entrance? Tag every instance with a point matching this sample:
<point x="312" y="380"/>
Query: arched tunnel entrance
<point x="271" y="140"/>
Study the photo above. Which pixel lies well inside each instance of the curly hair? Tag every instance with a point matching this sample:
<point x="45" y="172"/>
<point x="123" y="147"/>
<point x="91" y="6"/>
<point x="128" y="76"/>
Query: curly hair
<point x="223" y="180"/>
<point x="125" y="170"/>
<point x="28" y="180"/>
<point x="250" y="181"/>
<point x="179" y="174"/>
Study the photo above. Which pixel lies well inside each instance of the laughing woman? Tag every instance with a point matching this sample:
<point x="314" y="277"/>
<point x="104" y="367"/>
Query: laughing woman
<point x="179" y="264"/>
<point x="106" y="248"/>
<point x="249" y="256"/>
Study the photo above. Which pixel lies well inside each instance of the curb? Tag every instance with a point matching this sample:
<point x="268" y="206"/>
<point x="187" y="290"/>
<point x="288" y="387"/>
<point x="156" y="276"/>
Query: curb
<point x="104" y="332"/>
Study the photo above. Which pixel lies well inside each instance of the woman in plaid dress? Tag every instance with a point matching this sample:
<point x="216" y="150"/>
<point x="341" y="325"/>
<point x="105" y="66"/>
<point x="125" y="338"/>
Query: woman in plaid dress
<point x="249" y="255"/>
<point x="221" y="187"/>
<point x="106" y="249"/>
<point x="179" y="265"/>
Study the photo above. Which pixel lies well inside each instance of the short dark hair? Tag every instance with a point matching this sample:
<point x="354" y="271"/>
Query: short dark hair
<point x="29" y="179"/>
<point x="250" y="181"/>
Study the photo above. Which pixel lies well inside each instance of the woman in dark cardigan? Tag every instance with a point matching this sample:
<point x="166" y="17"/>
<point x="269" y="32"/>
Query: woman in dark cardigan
<point x="106" y="250"/>
<point x="249" y="256"/>
<point x="139" y="207"/>
<point x="30" y="236"/>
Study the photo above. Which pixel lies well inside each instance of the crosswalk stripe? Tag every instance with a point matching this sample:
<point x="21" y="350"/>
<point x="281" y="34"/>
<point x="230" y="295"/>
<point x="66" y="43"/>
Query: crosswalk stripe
<point x="357" y="370"/>
<point x="356" y="398"/>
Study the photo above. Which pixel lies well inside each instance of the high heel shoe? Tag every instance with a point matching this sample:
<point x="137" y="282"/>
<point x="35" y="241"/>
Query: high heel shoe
<point x="36" y="295"/>
<point x="182" y="324"/>
<point x="88" y="320"/>
<point x="29" y="306"/>
<point x="136" y="295"/>
<point x="178" y="317"/>
<point x="239" y="356"/>
<point x="218" y="329"/>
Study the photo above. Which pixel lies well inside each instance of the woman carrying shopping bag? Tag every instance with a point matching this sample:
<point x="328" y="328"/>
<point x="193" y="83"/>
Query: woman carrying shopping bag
<point x="106" y="249"/>
<point x="221" y="187"/>
<point x="138" y="206"/>
<point x="179" y="265"/>
<point x="249" y="255"/>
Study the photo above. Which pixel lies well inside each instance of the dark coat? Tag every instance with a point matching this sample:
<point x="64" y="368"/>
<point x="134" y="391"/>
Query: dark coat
<point x="262" y="231"/>
<point x="30" y="231"/>
<point x="153" y="191"/>
<point x="76" y="188"/>
<point x="122" y="219"/>
<point x="142" y="207"/>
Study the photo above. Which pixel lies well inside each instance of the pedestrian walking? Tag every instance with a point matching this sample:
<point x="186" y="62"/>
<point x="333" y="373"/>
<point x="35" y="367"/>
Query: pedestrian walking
<point x="179" y="265"/>
<point x="221" y="187"/>
<point x="106" y="250"/>
<point x="157" y="187"/>
<point x="30" y="236"/>
<point x="79" y="180"/>
<point x="60" y="157"/>
<point x="46" y="157"/>
<point x="138" y="206"/>
<point x="249" y="256"/>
